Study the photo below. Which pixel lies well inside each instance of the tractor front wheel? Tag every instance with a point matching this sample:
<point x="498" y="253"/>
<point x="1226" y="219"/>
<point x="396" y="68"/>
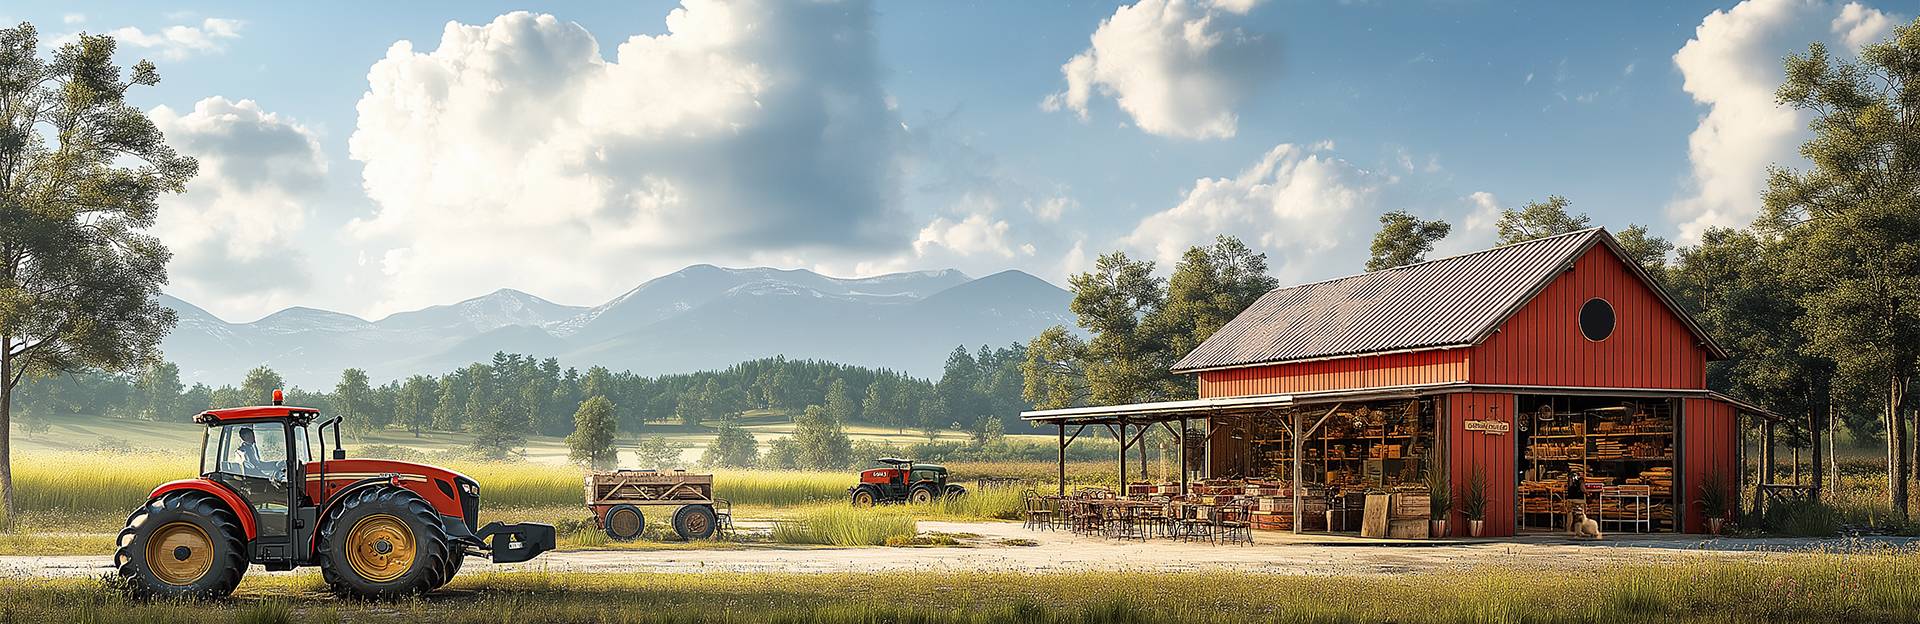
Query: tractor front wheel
<point x="864" y="497"/>
<point x="181" y="545"/>
<point x="922" y="494"/>
<point x="694" y="522"/>
<point x="383" y="541"/>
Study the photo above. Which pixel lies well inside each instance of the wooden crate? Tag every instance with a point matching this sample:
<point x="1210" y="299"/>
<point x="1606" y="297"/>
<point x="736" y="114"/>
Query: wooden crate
<point x="1408" y="528"/>
<point x="642" y="487"/>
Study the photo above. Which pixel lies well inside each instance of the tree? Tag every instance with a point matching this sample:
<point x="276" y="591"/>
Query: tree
<point x="591" y="443"/>
<point x="819" y="442"/>
<point x="959" y="380"/>
<point x="1732" y="285"/>
<point x="1851" y="223"/>
<point x="414" y="406"/>
<point x="1122" y="362"/>
<point x="733" y="447"/>
<point x="1540" y="219"/>
<point x="1404" y="239"/>
<point x="1210" y="286"/>
<point x="1054" y="376"/>
<point x="840" y="403"/>
<point x="1646" y="250"/>
<point x="496" y="435"/>
<point x="989" y="430"/>
<point x="158" y="391"/>
<point x="81" y="172"/>
<point x="353" y="403"/>
<point x="657" y="452"/>
<point x="258" y="387"/>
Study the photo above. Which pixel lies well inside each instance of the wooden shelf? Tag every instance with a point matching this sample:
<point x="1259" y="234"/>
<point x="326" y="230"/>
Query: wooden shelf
<point x="1566" y="436"/>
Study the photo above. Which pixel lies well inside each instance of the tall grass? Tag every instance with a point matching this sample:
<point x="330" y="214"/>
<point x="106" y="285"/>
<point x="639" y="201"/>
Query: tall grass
<point x="1785" y="588"/>
<point x="846" y="526"/>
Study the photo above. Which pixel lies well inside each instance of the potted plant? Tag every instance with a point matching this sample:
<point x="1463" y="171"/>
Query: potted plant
<point x="1473" y="502"/>
<point x="1440" y="501"/>
<point x="1714" y="502"/>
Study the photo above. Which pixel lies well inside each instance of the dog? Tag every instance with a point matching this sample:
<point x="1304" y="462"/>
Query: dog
<point x="1581" y="526"/>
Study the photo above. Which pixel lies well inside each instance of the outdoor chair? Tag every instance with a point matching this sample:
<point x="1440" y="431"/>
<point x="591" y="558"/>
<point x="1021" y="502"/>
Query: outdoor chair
<point x="1197" y="522"/>
<point x="1039" y="516"/>
<point x="1235" y="523"/>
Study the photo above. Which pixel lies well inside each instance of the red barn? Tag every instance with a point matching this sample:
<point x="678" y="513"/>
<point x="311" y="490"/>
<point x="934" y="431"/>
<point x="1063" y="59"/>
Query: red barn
<point x="1515" y="367"/>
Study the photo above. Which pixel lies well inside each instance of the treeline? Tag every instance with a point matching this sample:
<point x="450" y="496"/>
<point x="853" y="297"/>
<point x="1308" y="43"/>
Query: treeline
<point x="514" y="396"/>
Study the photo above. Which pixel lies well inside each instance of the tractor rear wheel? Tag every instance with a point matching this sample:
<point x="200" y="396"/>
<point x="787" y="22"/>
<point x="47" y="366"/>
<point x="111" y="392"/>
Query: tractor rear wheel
<point x="624" y="522"/>
<point x="181" y="545"/>
<point x="864" y="497"/>
<point x="921" y="494"/>
<point x="384" y="541"/>
<point x="694" y="522"/>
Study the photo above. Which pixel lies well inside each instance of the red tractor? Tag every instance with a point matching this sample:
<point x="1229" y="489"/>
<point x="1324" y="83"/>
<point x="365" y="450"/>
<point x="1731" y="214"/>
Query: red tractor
<point x="902" y="480"/>
<point x="375" y="528"/>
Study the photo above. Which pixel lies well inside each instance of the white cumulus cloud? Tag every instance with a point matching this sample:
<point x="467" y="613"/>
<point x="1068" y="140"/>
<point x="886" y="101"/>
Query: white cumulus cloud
<point x="514" y="152"/>
<point x="1179" y="68"/>
<point x="235" y="233"/>
<point x="1299" y="204"/>
<point x="182" y="40"/>
<point x="1732" y="66"/>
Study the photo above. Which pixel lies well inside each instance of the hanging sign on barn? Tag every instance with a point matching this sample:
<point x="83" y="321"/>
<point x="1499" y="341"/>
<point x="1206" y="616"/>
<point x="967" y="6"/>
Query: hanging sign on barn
<point x="1495" y="427"/>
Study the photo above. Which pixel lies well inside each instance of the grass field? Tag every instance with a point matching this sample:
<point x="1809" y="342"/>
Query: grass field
<point x="1824" y="588"/>
<point x="81" y="433"/>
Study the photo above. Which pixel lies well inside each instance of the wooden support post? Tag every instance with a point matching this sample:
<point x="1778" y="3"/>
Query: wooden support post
<point x="1122" y="436"/>
<point x="1183" y="456"/>
<point x="1299" y="446"/>
<point x="1063" y="458"/>
<point x="1140" y="440"/>
<point x="1766" y="463"/>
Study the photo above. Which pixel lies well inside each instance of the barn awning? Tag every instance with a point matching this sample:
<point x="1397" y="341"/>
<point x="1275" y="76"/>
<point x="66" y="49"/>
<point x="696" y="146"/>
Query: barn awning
<point x="1173" y="411"/>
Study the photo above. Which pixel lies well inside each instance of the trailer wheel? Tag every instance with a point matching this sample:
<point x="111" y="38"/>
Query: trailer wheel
<point x="624" y="522"/>
<point x="955" y="490"/>
<point x="383" y="541"/>
<point x="694" y="522"/>
<point x="181" y="545"/>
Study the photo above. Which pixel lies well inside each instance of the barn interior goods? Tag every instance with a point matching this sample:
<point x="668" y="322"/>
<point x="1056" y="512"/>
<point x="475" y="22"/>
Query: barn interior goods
<point x="1503" y="392"/>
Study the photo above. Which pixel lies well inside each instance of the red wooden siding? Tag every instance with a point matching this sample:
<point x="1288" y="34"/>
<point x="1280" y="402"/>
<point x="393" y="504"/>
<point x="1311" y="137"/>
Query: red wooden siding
<point x="1491" y="454"/>
<point x="1374" y="371"/>
<point x="1542" y="344"/>
<point x="1708" y="447"/>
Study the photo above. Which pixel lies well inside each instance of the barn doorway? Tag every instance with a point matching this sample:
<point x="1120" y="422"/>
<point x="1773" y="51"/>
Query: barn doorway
<point x="1622" y="447"/>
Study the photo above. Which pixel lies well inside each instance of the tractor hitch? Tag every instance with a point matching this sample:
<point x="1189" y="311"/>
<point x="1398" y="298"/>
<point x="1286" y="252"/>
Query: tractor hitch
<point x="514" y="543"/>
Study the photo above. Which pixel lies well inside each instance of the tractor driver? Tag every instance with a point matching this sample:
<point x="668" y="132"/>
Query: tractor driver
<point x="250" y="462"/>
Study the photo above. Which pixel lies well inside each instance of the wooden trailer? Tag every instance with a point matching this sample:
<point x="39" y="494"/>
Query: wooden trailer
<point x="616" y="497"/>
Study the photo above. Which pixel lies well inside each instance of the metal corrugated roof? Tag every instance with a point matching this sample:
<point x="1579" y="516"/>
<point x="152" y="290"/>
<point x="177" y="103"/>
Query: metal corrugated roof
<point x="1449" y="302"/>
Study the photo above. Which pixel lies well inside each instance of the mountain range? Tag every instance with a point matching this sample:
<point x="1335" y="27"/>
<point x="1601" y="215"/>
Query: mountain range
<point x="699" y="318"/>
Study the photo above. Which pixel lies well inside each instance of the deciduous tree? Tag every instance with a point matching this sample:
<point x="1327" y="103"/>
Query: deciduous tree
<point x="1851" y="223"/>
<point x="81" y="172"/>
<point x="1540" y="219"/>
<point x="591" y="443"/>
<point x="1404" y="239"/>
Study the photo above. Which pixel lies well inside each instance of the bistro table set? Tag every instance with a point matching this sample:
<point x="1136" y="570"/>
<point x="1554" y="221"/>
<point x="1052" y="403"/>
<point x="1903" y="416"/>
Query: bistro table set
<point x="1097" y="511"/>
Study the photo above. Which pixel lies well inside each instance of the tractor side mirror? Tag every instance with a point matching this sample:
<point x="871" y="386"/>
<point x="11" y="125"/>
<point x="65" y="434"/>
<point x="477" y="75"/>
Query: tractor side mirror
<point x="339" y="453"/>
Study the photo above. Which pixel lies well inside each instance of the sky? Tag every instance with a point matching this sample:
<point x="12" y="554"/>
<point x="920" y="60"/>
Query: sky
<point x="372" y="158"/>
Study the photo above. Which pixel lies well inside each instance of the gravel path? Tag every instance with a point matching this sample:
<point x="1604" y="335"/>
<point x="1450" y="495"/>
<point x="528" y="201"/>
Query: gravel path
<point x="1064" y="552"/>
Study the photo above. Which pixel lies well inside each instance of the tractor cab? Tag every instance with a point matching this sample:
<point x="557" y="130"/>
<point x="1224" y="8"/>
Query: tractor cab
<point x="272" y="492"/>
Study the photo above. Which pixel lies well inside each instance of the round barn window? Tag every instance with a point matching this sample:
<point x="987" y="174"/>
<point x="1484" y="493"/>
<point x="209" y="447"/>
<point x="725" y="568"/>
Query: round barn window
<point x="1596" y="319"/>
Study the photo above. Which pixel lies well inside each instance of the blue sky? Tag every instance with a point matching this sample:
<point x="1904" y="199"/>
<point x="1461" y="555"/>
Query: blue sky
<point x="532" y="151"/>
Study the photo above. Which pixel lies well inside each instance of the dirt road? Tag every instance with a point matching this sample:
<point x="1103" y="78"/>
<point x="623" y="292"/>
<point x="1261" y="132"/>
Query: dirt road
<point x="1065" y="552"/>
